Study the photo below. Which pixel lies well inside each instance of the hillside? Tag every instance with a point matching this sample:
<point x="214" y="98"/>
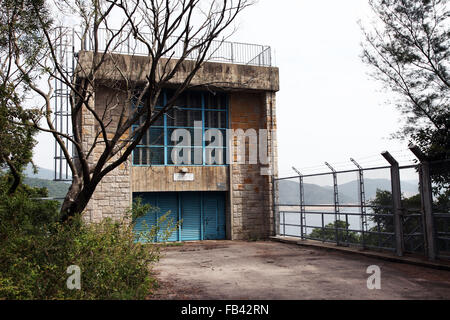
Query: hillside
<point x="289" y="194"/>
<point x="55" y="189"/>
<point x="371" y="185"/>
<point x="46" y="174"/>
<point x="348" y="192"/>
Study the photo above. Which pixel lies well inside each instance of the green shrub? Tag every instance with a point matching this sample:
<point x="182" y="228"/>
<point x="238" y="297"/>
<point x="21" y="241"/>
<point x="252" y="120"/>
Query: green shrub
<point x="36" y="250"/>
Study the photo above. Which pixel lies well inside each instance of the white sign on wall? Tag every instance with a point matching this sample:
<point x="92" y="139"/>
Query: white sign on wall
<point x="183" y="177"/>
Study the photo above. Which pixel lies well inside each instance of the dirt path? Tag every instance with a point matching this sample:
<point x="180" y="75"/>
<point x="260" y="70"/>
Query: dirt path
<point x="273" y="270"/>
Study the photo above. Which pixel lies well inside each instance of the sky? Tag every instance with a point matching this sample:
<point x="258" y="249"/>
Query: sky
<point x="328" y="107"/>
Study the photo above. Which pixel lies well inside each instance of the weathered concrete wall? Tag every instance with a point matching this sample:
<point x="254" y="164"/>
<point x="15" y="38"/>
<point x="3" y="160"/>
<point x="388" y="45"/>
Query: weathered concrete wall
<point x="119" y="67"/>
<point x="158" y="178"/>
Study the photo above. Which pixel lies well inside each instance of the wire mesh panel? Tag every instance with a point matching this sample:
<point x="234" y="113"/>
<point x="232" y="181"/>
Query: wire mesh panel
<point x="412" y="219"/>
<point x="405" y="209"/>
<point x="440" y="171"/>
<point x="349" y="208"/>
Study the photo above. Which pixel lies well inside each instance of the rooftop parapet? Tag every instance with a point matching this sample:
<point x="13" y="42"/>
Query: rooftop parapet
<point x="117" y="67"/>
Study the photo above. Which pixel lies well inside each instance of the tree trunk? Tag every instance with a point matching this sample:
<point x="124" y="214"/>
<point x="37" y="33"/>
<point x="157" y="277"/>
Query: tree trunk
<point x="15" y="175"/>
<point x="76" y="199"/>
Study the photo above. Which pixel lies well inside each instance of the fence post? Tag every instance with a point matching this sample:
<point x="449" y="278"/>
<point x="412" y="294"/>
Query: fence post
<point x="302" y="203"/>
<point x="232" y="52"/>
<point x="362" y="201"/>
<point x="302" y="209"/>
<point x="427" y="202"/>
<point x="396" y="202"/>
<point x="337" y="215"/>
<point x="276" y="217"/>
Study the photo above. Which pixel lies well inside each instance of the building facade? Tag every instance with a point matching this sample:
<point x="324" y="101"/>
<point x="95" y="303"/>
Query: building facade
<point x="218" y="192"/>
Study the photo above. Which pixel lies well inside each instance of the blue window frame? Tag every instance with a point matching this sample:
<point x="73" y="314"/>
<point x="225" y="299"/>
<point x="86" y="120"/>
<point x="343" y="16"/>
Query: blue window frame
<point x="210" y="109"/>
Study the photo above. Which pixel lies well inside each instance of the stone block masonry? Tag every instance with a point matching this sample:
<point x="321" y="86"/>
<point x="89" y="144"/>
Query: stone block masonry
<point x="251" y="204"/>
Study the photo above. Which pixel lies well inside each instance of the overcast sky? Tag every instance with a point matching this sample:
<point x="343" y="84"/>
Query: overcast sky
<point x="328" y="108"/>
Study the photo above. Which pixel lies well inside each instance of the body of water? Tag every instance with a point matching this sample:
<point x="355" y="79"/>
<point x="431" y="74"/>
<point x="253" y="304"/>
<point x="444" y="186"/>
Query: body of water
<point x="314" y="220"/>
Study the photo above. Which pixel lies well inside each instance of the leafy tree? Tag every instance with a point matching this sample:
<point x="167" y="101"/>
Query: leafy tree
<point x="16" y="142"/>
<point x="18" y="24"/>
<point x="383" y="219"/>
<point x="408" y="47"/>
<point x="382" y="208"/>
<point x="329" y="233"/>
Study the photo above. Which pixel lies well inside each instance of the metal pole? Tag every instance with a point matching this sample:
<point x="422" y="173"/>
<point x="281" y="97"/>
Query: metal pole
<point x="323" y="228"/>
<point x="232" y="52"/>
<point x="337" y="216"/>
<point x="302" y="204"/>
<point x="362" y="201"/>
<point x="276" y="219"/>
<point x="427" y="202"/>
<point x="302" y="208"/>
<point x="396" y="202"/>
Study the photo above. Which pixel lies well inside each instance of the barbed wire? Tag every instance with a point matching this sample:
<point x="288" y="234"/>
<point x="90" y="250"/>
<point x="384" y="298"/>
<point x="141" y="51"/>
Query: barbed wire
<point x="403" y="156"/>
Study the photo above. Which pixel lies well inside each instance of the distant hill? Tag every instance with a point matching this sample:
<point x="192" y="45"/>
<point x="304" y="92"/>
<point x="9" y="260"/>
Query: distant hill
<point x="289" y="193"/>
<point x="348" y="192"/>
<point x="371" y="185"/>
<point x="44" y="178"/>
<point x="42" y="173"/>
<point x="56" y="189"/>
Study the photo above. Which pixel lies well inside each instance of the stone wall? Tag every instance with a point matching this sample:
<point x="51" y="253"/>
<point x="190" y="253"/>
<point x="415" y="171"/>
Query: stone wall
<point x="251" y="184"/>
<point x="112" y="197"/>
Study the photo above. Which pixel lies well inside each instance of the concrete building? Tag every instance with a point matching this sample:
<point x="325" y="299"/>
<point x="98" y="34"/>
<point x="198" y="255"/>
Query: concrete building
<point x="213" y="201"/>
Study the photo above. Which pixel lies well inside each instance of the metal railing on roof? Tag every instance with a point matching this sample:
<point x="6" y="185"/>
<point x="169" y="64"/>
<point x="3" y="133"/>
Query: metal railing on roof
<point x="219" y="51"/>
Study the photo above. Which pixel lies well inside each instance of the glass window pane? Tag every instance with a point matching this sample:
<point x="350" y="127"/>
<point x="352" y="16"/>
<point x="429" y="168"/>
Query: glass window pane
<point x="183" y="118"/>
<point x="136" y="160"/>
<point x="147" y="156"/>
<point x="160" y="121"/>
<point x="190" y="99"/>
<point x="194" y="99"/>
<point x="215" y="100"/>
<point x="156" y="136"/>
<point x="194" y="134"/>
<point x="187" y="156"/>
<point x="215" y="119"/>
<point x="215" y="156"/>
<point x="211" y="136"/>
<point x="180" y="101"/>
<point x="156" y="156"/>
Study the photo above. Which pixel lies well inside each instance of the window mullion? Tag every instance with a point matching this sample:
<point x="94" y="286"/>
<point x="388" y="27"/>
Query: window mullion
<point x="165" y="132"/>
<point x="203" y="130"/>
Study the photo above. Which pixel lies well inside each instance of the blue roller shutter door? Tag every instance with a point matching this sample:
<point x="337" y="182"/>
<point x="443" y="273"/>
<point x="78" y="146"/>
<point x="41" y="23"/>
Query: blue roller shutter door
<point x="161" y="204"/>
<point x="214" y="216"/>
<point x="145" y="222"/>
<point x="168" y="203"/>
<point x="191" y="207"/>
<point x="202" y="214"/>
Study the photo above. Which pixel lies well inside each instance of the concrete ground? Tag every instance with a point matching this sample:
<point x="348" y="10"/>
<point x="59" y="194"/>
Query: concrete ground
<point x="272" y="270"/>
